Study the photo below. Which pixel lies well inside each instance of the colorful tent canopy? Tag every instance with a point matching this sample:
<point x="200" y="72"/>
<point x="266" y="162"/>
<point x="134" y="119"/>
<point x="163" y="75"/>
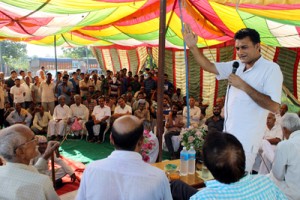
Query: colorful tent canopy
<point x="136" y="22"/>
<point x="116" y="27"/>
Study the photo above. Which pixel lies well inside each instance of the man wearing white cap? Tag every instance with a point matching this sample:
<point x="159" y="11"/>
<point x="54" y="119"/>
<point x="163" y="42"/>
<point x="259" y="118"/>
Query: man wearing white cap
<point x="42" y="165"/>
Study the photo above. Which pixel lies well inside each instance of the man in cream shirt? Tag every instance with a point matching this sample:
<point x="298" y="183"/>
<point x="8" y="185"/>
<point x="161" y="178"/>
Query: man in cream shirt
<point x="19" y="180"/>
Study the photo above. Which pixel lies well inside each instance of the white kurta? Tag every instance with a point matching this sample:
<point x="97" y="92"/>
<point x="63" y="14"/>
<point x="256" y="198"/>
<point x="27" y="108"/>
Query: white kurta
<point x="244" y="118"/>
<point x="42" y="166"/>
<point x="263" y="162"/>
<point x="47" y="92"/>
<point x="58" y="127"/>
<point x="28" y="96"/>
<point x="80" y="111"/>
<point x="195" y="114"/>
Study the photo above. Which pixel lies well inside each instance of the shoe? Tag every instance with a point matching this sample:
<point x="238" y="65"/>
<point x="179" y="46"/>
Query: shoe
<point x="53" y="137"/>
<point x="58" y="183"/>
<point x="99" y="142"/>
<point x="77" y="137"/>
<point x="59" y="138"/>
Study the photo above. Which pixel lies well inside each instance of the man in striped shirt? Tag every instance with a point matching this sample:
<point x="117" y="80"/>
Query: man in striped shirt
<point x="224" y="157"/>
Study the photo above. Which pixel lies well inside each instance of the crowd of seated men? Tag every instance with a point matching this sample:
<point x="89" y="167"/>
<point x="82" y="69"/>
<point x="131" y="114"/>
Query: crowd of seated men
<point x="86" y="105"/>
<point x="50" y="104"/>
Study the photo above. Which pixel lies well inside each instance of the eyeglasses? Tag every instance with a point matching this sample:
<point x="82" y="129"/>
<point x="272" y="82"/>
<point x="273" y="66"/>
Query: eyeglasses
<point x="34" y="139"/>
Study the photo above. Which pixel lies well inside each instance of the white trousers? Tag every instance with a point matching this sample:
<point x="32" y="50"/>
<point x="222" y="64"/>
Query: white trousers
<point x="265" y="157"/>
<point x="268" y="154"/>
<point x="56" y="128"/>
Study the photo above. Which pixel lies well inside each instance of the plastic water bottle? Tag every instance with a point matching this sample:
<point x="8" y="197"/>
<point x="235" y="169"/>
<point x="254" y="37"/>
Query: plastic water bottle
<point x="184" y="162"/>
<point x="192" y="160"/>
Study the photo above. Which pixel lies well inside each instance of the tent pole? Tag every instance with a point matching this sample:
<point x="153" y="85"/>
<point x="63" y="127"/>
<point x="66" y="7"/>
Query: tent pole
<point x="186" y="72"/>
<point x="160" y="81"/>
<point x="55" y="57"/>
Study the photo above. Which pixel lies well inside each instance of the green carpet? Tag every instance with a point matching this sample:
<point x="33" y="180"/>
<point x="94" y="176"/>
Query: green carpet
<point x="85" y="152"/>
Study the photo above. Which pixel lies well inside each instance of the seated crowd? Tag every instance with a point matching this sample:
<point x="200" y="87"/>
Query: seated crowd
<point x="88" y="106"/>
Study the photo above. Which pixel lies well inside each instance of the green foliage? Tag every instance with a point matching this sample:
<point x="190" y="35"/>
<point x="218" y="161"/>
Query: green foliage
<point x="14" y="54"/>
<point x="77" y="52"/>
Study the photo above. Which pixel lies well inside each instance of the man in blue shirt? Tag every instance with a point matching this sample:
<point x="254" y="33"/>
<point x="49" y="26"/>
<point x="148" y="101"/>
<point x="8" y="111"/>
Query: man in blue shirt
<point x="224" y="157"/>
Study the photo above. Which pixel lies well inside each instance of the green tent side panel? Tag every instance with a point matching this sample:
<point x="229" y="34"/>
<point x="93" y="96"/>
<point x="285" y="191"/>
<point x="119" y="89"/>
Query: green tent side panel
<point x="286" y="60"/>
<point x="226" y="54"/>
<point x="194" y="76"/>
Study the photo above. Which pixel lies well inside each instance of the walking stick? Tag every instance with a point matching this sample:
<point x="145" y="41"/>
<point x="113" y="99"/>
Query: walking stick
<point x="52" y="169"/>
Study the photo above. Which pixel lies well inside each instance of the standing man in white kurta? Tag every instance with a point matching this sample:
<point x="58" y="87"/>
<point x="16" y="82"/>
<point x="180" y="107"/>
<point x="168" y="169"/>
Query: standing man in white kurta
<point x="61" y="116"/>
<point x="27" y="88"/>
<point x="17" y="92"/>
<point x="254" y="90"/>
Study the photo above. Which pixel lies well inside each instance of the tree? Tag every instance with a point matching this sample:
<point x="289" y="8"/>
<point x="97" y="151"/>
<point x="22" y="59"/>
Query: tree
<point x="14" y="55"/>
<point x="77" y="52"/>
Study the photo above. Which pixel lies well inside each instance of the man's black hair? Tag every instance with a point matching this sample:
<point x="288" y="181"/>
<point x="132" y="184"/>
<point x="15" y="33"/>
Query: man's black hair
<point x="248" y="32"/>
<point x="224" y="156"/>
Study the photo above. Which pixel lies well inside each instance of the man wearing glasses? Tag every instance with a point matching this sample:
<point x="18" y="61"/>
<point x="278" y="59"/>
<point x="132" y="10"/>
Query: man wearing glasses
<point x="20" y="180"/>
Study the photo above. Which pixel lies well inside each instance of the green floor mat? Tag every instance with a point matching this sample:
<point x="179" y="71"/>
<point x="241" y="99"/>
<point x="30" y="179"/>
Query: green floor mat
<point x="85" y="152"/>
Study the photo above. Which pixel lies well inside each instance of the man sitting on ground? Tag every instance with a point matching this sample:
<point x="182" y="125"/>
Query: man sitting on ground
<point x="224" y="157"/>
<point x="19" y="116"/>
<point x="19" y="180"/>
<point x="41" y="121"/>
<point x="285" y="170"/>
<point x="42" y="166"/>
<point x="129" y="176"/>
